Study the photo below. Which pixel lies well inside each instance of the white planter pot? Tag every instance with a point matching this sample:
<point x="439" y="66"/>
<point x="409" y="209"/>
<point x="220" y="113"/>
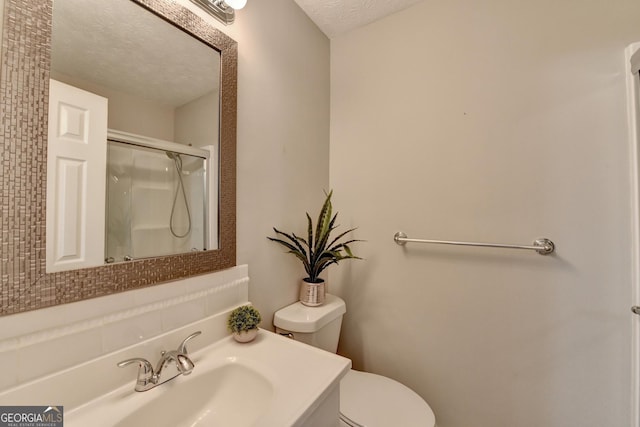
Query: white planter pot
<point x="245" y="336"/>
<point x="312" y="294"/>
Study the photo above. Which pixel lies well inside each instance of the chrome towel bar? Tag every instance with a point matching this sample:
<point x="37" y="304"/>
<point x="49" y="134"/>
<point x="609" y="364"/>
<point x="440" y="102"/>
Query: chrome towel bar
<point x="542" y="246"/>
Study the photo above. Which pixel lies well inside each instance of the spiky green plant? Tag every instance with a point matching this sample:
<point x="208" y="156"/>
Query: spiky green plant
<point x="243" y="318"/>
<point x="317" y="252"/>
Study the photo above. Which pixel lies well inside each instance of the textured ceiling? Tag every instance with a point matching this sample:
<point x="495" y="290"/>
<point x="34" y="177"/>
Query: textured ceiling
<point x="120" y="45"/>
<point x="335" y="17"/>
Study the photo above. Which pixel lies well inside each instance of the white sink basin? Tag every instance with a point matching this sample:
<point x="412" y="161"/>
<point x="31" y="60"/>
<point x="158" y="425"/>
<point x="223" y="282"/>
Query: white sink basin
<point x="209" y="399"/>
<point x="232" y="384"/>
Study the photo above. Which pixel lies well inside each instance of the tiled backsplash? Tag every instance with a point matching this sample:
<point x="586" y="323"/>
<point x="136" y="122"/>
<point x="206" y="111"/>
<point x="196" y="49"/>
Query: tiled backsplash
<point x="37" y="343"/>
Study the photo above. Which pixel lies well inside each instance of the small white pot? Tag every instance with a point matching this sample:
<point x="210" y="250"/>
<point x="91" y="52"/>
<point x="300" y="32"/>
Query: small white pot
<point x="245" y="336"/>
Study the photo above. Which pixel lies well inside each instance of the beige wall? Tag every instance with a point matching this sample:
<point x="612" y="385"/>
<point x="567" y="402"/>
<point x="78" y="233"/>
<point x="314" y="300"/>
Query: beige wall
<point x="283" y="134"/>
<point x="130" y="113"/>
<point x="198" y="119"/>
<point x="493" y="121"/>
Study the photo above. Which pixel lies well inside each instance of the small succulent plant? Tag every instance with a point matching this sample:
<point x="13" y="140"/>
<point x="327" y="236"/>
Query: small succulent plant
<point x="243" y="318"/>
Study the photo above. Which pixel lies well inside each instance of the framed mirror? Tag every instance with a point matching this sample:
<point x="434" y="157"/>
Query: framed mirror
<point x="161" y="89"/>
<point x="24" y="87"/>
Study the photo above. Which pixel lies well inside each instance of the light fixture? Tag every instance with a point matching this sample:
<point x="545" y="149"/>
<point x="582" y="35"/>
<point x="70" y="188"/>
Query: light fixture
<point x="222" y="10"/>
<point x="236" y="4"/>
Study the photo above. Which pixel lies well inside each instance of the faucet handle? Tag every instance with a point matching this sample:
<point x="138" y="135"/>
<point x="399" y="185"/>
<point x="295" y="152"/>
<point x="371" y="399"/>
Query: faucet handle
<point x="185" y="365"/>
<point x="145" y="365"/>
<point x="182" y="349"/>
<point x="146" y="376"/>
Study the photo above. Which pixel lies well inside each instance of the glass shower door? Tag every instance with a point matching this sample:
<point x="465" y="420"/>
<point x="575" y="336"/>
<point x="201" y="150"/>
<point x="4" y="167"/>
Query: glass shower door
<point x="156" y="202"/>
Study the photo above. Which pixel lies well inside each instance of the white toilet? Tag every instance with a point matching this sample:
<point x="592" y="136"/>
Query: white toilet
<point x="366" y="399"/>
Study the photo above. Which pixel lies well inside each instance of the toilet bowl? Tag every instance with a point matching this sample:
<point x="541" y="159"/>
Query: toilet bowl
<point x="365" y="399"/>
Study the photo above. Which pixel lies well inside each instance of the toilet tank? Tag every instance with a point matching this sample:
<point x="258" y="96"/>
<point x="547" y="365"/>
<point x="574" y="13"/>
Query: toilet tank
<point x="316" y="326"/>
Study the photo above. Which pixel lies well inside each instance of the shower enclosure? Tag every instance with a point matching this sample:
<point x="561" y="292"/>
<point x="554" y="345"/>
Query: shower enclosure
<point x="156" y="200"/>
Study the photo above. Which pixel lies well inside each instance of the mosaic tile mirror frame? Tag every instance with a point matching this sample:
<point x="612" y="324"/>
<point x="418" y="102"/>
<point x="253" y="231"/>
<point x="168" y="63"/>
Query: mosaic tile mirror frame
<point x="24" y="88"/>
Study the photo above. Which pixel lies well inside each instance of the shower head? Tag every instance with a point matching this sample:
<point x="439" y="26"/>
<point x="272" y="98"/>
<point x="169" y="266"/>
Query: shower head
<point x="176" y="159"/>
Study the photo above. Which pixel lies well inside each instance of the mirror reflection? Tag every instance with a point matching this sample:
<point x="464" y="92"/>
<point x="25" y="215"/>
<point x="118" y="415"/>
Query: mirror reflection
<point x="156" y="202"/>
<point x="160" y="84"/>
<point x="27" y="283"/>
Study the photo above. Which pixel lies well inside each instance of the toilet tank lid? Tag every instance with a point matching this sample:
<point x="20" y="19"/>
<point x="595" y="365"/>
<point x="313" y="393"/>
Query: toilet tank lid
<point x="300" y="318"/>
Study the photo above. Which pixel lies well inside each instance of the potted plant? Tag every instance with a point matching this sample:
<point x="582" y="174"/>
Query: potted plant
<point x="317" y="252"/>
<point x="243" y="323"/>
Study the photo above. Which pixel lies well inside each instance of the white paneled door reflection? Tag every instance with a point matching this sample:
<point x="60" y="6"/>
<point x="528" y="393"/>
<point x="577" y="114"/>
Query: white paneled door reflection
<point x="76" y="158"/>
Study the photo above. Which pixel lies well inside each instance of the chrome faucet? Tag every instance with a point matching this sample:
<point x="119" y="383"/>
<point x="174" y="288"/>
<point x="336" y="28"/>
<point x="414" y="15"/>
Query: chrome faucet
<point x="182" y="361"/>
<point x="148" y="378"/>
